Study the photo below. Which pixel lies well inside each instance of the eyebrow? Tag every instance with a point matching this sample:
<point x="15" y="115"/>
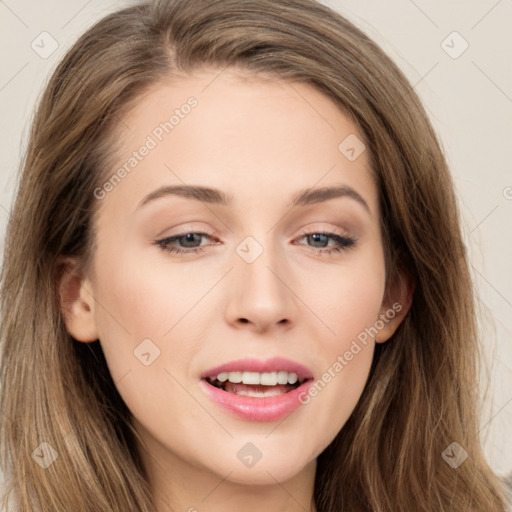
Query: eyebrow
<point x="215" y="196"/>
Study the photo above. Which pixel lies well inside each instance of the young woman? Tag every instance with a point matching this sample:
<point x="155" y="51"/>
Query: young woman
<point x="234" y="277"/>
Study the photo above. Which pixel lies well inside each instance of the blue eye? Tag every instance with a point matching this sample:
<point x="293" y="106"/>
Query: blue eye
<point x="187" y="238"/>
<point x="342" y="242"/>
<point x="192" y="237"/>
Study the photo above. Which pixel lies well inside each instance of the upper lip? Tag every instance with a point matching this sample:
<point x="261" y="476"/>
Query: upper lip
<point x="275" y="364"/>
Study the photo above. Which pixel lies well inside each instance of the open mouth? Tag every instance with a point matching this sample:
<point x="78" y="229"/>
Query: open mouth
<point x="257" y="385"/>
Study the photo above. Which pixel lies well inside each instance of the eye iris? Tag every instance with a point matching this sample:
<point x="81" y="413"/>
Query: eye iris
<point x="189" y="237"/>
<point x="315" y="238"/>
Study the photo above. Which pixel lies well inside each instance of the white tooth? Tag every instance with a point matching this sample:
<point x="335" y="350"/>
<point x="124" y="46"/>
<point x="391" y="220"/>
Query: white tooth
<point x="268" y="379"/>
<point x="282" y="377"/>
<point x="235" y="377"/>
<point x="292" y="378"/>
<point x="260" y="394"/>
<point x="255" y="378"/>
<point x="251" y="378"/>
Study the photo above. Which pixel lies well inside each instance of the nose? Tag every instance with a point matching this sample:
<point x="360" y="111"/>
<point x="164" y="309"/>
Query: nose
<point x="260" y="293"/>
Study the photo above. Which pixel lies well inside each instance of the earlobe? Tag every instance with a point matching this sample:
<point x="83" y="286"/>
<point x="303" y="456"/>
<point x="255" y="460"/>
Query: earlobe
<point x="76" y="301"/>
<point x="395" y="307"/>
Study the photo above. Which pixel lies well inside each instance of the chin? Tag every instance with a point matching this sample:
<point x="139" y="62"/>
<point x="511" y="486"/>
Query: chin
<point x="280" y="466"/>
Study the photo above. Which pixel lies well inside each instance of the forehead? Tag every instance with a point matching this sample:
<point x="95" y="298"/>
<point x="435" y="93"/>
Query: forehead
<point x="253" y="136"/>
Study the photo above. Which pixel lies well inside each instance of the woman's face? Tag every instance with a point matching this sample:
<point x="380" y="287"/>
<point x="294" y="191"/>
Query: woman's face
<point x="259" y="285"/>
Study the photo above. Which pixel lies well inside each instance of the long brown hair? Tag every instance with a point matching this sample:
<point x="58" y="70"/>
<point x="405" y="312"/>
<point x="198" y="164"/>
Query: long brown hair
<point x="422" y="392"/>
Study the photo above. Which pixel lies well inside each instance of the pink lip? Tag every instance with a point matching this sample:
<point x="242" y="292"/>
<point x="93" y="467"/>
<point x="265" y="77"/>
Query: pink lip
<point x="270" y="408"/>
<point x="256" y="365"/>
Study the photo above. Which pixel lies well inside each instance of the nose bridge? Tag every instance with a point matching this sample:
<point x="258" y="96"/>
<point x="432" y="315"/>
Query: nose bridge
<point x="260" y="275"/>
<point x="259" y="260"/>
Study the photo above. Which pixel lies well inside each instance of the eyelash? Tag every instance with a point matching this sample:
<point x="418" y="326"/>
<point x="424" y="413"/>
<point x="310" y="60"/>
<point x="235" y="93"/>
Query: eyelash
<point x="344" y="242"/>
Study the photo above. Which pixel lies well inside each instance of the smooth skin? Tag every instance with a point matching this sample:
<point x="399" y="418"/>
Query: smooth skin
<point x="260" y="141"/>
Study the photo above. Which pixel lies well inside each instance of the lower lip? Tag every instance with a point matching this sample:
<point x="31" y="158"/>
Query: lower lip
<point x="269" y="408"/>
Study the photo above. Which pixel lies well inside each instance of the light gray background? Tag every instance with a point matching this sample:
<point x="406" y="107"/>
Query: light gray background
<point x="469" y="99"/>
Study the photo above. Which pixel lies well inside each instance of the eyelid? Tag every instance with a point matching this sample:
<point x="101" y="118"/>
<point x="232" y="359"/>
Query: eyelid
<point x="190" y="228"/>
<point x="338" y="231"/>
<point x="343" y="242"/>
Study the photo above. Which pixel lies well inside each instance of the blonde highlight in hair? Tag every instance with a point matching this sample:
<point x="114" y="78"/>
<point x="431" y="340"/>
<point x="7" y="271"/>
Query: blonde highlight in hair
<point x="421" y="394"/>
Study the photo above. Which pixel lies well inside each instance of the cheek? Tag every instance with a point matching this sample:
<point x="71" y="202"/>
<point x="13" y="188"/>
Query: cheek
<point x="139" y="325"/>
<point x="347" y="358"/>
<point x="128" y="311"/>
<point x="145" y="314"/>
<point x="348" y="296"/>
<point x="349" y="304"/>
<point x="139" y="300"/>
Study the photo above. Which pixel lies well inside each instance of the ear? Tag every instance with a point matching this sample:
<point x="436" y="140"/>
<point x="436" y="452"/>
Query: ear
<point x="397" y="302"/>
<point x="76" y="300"/>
